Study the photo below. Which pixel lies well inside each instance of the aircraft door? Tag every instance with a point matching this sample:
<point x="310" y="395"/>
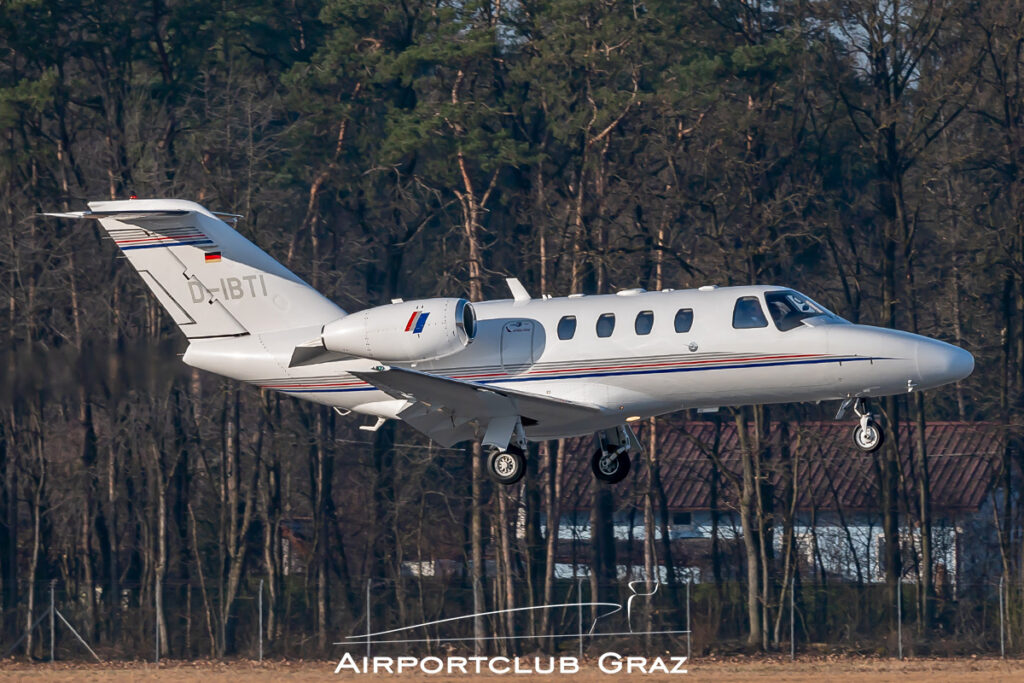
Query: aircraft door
<point x="517" y="345"/>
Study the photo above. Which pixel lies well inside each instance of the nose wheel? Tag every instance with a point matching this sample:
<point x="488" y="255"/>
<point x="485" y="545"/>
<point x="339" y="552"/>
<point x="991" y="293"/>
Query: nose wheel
<point x="868" y="435"/>
<point x="506" y="467"/>
<point x="610" y="466"/>
<point x="610" y="462"/>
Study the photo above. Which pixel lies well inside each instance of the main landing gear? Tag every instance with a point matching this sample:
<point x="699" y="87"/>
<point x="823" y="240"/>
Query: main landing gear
<point x="506" y="466"/>
<point x="506" y="441"/>
<point x="868" y="435"/>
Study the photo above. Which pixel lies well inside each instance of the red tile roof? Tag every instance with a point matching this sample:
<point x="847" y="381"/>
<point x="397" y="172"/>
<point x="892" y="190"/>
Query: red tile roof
<point x="963" y="459"/>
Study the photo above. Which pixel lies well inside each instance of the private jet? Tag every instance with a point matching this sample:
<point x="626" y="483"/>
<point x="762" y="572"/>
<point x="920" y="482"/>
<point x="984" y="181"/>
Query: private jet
<point x="513" y="370"/>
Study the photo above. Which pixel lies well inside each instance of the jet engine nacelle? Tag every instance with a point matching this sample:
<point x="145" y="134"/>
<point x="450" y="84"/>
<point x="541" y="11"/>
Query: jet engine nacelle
<point x="409" y="331"/>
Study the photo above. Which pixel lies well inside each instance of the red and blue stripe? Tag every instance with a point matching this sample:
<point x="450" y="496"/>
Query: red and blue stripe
<point x="178" y="237"/>
<point x="416" y="322"/>
<point x="613" y="370"/>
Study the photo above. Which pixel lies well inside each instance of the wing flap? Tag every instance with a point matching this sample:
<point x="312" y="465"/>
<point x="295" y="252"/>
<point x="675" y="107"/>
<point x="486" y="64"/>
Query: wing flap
<point x="449" y="410"/>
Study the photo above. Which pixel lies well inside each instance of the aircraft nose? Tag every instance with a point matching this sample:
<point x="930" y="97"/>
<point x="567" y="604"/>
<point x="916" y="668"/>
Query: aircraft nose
<point x="940" y="363"/>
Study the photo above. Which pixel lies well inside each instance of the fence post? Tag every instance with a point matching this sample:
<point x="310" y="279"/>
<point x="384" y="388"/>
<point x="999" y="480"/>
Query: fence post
<point x="261" y="619"/>
<point x="53" y="633"/>
<point x="1002" y="613"/>
<point x="792" y="622"/>
<point x="368" y="630"/>
<point x="899" y="614"/>
<point x="579" y="614"/>
<point x="688" y="635"/>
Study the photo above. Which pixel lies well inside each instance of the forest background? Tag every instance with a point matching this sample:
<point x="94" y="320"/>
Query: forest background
<point x="869" y="153"/>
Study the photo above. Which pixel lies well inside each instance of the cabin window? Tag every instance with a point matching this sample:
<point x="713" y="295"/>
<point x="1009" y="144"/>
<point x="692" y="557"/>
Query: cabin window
<point x="748" y="314"/>
<point x="684" y="319"/>
<point x="567" y="327"/>
<point x="681" y="519"/>
<point x="606" y="325"/>
<point x="644" y="322"/>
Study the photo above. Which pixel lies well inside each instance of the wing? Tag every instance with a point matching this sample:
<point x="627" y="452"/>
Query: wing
<point x="451" y="410"/>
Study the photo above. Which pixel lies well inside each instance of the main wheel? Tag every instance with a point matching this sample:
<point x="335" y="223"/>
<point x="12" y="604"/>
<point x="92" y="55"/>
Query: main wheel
<point x="506" y="467"/>
<point x="869" y="436"/>
<point x="610" y="467"/>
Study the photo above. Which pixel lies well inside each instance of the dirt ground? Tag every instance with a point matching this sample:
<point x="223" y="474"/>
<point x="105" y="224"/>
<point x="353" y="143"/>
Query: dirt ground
<point x="733" y="669"/>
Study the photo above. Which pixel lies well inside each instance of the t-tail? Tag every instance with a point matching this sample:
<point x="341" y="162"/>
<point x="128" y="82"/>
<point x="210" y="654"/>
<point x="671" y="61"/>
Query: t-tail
<point x="212" y="282"/>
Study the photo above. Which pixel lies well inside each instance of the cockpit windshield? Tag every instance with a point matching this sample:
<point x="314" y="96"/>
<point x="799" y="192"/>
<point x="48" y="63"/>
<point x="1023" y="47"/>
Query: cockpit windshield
<point x="789" y="308"/>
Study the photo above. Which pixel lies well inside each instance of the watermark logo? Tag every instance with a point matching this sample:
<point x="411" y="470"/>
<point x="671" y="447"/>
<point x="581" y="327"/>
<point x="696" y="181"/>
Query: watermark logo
<point x="611" y="663"/>
<point x="608" y="662"/>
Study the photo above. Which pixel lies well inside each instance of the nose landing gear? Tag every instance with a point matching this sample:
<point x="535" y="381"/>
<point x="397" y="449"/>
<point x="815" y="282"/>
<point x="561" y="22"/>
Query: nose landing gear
<point x="868" y="435"/>
<point x="610" y="462"/>
<point x="610" y="466"/>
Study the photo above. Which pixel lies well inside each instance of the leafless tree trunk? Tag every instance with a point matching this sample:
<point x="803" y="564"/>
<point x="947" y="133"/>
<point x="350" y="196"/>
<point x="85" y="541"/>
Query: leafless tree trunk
<point x="207" y="607"/>
<point x="239" y="500"/>
<point x="790" y="458"/>
<point x="508" y="596"/>
<point x="160" y="568"/>
<point x="38" y="482"/>
<point x="554" y="452"/>
<point x="476" y="534"/>
<point x="750" y="532"/>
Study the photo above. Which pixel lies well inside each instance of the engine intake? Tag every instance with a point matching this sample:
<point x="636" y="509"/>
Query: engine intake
<point x="410" y="331"/>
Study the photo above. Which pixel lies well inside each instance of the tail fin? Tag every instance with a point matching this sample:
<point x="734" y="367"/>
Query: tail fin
<point x="212" y="281"/>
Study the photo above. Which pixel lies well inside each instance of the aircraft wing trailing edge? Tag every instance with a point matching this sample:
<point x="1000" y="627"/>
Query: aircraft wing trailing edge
<point x="446" y="409"/>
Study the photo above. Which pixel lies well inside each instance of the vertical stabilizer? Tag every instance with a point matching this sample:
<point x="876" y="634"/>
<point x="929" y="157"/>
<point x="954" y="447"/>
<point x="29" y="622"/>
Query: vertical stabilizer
<point x="212" y="281"/>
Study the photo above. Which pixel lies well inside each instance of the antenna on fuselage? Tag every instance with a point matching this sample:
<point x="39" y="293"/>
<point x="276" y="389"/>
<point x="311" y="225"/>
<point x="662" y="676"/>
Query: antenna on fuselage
<point x="519" y="292"/>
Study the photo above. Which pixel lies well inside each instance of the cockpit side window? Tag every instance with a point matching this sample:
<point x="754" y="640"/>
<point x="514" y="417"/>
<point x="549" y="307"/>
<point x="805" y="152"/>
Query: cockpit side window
<point x="788" y="308"/>
<point x="748" y="314"/>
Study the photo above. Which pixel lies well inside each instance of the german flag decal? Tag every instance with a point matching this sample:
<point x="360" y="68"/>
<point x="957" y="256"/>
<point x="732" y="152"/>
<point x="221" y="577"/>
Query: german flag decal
<point x="212" y="256"/>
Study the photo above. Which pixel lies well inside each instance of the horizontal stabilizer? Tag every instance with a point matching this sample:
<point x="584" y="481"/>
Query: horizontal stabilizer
<point x="314" y="353"/>
<point x="123" y="216"/>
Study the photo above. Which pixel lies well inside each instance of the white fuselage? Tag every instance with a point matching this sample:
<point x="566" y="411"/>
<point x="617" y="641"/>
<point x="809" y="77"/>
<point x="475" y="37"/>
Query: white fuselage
<point x="628" y="375"/>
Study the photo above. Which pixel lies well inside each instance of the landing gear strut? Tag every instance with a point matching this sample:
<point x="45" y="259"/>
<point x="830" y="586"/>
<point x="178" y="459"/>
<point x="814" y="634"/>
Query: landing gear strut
<point x="868" y="435"/>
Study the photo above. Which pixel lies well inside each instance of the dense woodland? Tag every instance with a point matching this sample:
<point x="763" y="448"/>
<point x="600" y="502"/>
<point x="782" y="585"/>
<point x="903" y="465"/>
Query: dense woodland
<point x="867" y="152"/>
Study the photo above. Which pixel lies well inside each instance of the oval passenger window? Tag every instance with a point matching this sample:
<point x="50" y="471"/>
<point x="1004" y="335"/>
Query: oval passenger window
<point x="684" y="319"/>
<point x="567" y="327"/>
<point x="644" y="322"/>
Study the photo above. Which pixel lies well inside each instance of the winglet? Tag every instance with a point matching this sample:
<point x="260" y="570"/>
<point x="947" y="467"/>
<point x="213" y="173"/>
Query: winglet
<point x="519" y="292"/>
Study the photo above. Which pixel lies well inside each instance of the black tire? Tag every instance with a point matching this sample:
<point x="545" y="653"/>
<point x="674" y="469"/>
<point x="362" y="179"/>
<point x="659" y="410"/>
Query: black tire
<point x="506" y="467"/>
<point x="610" y="469"/>
<point x="870" y="437"/>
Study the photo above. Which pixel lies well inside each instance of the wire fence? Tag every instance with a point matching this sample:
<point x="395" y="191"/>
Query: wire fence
<point x="430" y="615"/>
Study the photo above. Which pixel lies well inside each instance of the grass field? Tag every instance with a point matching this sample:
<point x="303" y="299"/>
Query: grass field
<point x="733" y="669"/>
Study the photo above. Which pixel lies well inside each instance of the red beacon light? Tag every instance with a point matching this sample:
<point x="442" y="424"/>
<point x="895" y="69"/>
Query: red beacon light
<point x="133" y="196"/>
